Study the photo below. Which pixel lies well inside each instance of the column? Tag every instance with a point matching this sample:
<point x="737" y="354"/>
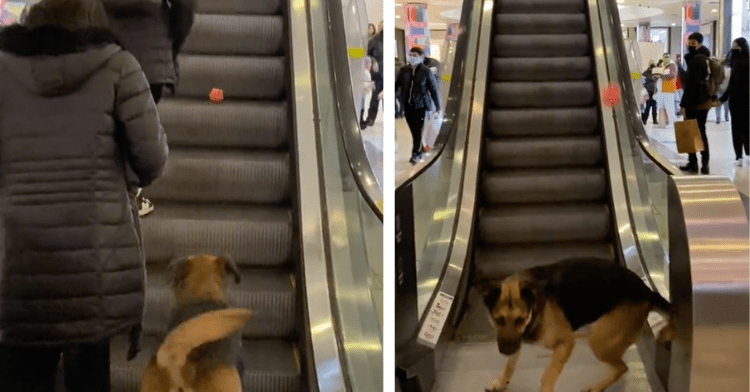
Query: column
<point x="417" y="27"/>
<point x="644" y="32"/>
<point x="691" y="21"/>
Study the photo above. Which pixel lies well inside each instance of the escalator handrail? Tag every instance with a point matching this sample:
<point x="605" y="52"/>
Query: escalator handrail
<point x="629" y="99"/>
<point x="451" y="106"/>
<point x="350" y="128"/>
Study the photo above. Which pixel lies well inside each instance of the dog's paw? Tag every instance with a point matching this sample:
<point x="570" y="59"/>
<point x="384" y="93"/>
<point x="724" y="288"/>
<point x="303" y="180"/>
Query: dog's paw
<point x="591" y="389"/>
<point x="498" y="385"/>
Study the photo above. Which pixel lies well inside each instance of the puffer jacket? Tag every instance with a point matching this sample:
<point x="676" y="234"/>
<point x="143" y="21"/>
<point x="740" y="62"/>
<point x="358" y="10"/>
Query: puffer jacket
<point x="694" y="86"/>
<point x="418" y="87"/>
<point x="76" y="116"/>
<point x="154" y="32"/>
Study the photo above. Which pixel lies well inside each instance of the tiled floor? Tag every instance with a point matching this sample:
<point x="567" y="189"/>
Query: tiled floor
<point x="372" y="137"/>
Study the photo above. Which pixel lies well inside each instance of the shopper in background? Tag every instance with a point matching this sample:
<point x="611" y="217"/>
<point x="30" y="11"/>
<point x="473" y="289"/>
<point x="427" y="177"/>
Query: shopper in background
<point x="371" y="31"/>
<point x="418" y="88"/>
<point x="368" y="86"/>
<point x="678" y="86"/>
<point x="79" y="132"/>
<point x="649" y="83"/>
<point x="666" y="86"/>
<point x="738" y="95"/>
<point x="723" y="89"/>
<point x="154" y="31"/>
<point x="375" y="50"/>
<point x="696" y="100"/>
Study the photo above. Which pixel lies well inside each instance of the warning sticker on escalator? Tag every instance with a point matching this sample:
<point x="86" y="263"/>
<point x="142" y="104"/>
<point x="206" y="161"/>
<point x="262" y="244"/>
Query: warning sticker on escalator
<point x="436" y="318"/>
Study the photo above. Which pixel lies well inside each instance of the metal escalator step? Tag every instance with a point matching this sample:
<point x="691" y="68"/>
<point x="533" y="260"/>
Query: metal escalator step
<point x="231" y="34"/>
<point x="547" y="45"/>
<point x="541" y="69"/>
<point x="267" y="292"/>
<point x="540" y="122"/>
<point x="544" y="223"/>
<point x="494" y="263"/>
<point x="253" y="236"/>
<point x="229" y="124"/>
<point x="239" y="77"/>
<point x="234" y="7"/>
<point x="544" y="185"/>
<point x="542" y="94"/>
<point x="220" y="175"/>
<point x="541" y="6"/>
<point x="544" y="152"/>
<point x="540" y="24"/>
<point x="270" y="365"/>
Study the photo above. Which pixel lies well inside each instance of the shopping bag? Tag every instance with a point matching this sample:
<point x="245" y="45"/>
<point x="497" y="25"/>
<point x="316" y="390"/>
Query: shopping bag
<point x="688" y="136"/>
<point x="431" y="129"/>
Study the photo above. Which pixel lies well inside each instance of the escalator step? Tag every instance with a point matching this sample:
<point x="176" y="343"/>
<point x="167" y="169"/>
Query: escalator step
<point x="244" y="7"/>
<point x="494" y="263"/>
<point x="219" y="175"/>
<point x="230" y="124"/>
<point x="544" y="223"/>
<point x="542" y="94"/>
<point x="540" y="24"/>
<point x="270" y="365"/>
<point x="540" y="6"/>
<point x="544" y="186"/>
<point x="253" y="236"/>
<point x="268" y="293"/>
<point x="540" y="122"/>
<point x="570" y="45"/>
<point x="227" y="34"/>
<point x="544" y="152"/>
<point x="239" y="77"/>
<point x="541" y="69"/>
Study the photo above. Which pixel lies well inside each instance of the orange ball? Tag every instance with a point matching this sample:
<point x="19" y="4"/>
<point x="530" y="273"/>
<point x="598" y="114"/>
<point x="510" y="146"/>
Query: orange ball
<point x="216" y="95"/>
<point x="611" y="95"/>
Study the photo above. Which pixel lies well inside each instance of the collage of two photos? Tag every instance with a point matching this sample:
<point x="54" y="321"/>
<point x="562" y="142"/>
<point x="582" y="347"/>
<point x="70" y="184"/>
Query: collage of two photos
<point x="247" y="195"/>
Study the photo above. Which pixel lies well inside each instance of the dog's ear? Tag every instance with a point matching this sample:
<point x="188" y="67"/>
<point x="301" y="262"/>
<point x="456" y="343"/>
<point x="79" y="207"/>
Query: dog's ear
<point x="529" y="293"/>
<point x="177" y="270"/>
<point x="228" y="264"/>
<point x="490" y="292"/>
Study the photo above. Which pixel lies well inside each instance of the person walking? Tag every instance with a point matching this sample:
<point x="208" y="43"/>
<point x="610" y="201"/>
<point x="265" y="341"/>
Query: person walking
<point x="722" y="90"/>
<point x="666" y="86"/>
<point x="154" y="31"/>
<point x="79" y="132"/>
<point x="375" y="50"/>
<point x="696" y="101"/>
<point x="738" y="95"/>
<point x="649" y="83"/>
<point x="418" y="89"/>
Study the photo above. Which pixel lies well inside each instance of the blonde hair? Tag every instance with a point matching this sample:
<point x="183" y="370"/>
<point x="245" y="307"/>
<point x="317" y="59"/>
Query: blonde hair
<point x="66" y="13"/>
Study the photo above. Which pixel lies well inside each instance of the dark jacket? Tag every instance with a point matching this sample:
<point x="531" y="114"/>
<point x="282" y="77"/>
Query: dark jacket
<point x="76" y="118"/>
<point x="375" y="49"/>
<point x="695" y="94"/>
<point x="738" y="89"/>
<point x="154" y="32"/>
<point x="649" y="82"/>
<point x="418" y="87"/>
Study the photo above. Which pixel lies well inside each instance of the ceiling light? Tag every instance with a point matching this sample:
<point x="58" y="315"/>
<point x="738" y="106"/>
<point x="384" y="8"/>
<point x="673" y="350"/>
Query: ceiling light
<point x="620" y="1"/>
<point x="674" y="24"/>
<point x="714" y="10"/>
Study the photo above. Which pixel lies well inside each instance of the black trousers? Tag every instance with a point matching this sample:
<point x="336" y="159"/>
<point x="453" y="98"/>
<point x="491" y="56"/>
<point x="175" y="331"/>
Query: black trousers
<point x="372" y="113"/>
<point x="86" y="368"/>
<point x="415" y="119"/>
<point x="740" y="128"/>
<point x="700" y="116"/>
<point x="650" y="105"/>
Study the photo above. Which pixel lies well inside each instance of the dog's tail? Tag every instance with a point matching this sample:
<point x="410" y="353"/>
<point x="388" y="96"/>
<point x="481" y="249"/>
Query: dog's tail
<point x="663" y="307"/>
<point x="204" y="328"/>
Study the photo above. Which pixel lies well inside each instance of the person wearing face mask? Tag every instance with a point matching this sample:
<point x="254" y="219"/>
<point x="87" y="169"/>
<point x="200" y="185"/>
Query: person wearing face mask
<point x="696" y="101"/>
<point x="738" y="95"/>
<point x="649" y="83"/>
<point x="666" y="87"/>
<point x="418" y="89"/>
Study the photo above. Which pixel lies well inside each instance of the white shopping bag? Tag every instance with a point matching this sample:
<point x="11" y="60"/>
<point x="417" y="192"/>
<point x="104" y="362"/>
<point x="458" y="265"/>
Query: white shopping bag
<point x="432" y="123"/>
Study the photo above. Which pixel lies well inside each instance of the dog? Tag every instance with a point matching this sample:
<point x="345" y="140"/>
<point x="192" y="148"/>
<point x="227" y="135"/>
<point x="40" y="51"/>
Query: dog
<point x="202" y="347"/>
<point x="547" y="305"/>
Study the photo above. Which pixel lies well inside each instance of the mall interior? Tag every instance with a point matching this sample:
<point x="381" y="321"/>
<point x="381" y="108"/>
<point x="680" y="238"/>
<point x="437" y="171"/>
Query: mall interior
<point x="540" y="154"/>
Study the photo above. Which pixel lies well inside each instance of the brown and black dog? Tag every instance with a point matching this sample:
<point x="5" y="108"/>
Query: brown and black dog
<point x="201" y="349"/>
<point x="546" y="305"/>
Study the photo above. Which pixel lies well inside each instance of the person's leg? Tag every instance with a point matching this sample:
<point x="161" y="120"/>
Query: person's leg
<point x="736" y="140"/>
<point x="726" y="111"/>
<point x="718" y="114"/>
<point x="156" y="91"/>
<point x="25" y="369"/>
<point x="692" y="165"/>
<point x="653" y="111"/>
<point x="415" y="119"/>
<point x="671" y="116"/>
<point x="87" y="367"/>
<point x="702" y="116"/>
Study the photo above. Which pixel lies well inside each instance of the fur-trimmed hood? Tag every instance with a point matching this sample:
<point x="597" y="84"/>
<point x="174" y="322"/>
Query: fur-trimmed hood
<point x="51" y="60"/>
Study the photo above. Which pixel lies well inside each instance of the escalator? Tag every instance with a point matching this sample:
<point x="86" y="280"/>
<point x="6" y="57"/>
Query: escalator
<point x="229" y="189"/>
<point x="544" y="186"/>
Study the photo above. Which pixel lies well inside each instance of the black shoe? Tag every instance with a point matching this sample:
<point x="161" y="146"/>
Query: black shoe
<point x="414" y="159"/>
<point x="704" y="169"/>
<point x="690" y="168"/>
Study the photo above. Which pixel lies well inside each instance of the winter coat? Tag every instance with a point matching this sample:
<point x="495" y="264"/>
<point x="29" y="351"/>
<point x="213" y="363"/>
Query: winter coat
<point x="695" y="94"/>
<point x="78" y="131"/>
<point x="375" y="49"/>
<point x="738" y="89"/>
<point x="649" y="82"/>
<point x="154" y="32"/>
<point x="418" y="87"/>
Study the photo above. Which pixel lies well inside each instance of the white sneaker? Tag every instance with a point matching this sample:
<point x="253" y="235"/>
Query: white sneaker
<point x="145" y="206"/>
<point x="739" y="162"/>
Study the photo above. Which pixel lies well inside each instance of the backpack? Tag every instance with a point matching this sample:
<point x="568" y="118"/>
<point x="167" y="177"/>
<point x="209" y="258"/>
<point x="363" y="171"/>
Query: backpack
<point x="715" y="76"/>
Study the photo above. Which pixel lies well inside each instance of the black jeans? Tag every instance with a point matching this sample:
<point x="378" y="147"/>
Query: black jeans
<point x="372" y="113"/>
<point x="650" y="105"/>
<point x="86" y="368"/>
<point x="415" y="119"/>
<point x="740" y="128"/>
<point x="700" y="115"/>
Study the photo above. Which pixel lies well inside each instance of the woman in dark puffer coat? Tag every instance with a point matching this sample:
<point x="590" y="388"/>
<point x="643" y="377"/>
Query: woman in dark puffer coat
<point x="79" y="132"/>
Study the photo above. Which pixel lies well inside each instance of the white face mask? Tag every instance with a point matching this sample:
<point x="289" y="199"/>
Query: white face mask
<point x="415" y="60"/>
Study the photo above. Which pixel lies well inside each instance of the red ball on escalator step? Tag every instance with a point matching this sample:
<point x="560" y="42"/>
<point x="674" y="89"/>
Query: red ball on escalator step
<point x="216" y="95"/>
<point x="611" y="95"/>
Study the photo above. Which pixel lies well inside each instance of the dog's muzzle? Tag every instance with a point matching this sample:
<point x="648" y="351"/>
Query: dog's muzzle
<point x="508" y="347"/>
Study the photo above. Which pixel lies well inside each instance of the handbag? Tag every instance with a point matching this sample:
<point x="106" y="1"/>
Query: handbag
<point x="688" y="136"/>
